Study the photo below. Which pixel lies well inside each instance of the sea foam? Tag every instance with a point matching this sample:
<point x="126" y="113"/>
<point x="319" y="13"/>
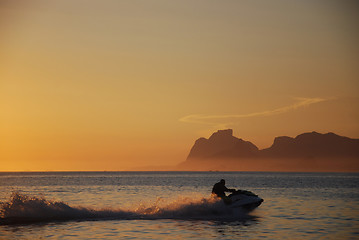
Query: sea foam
<point x="22" y="208"/>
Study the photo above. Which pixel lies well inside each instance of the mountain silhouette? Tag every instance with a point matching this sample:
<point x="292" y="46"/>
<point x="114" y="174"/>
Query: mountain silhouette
<point x="313" y="145"/>
<point x="310" y="151"/>
<point x="222" y="144"/>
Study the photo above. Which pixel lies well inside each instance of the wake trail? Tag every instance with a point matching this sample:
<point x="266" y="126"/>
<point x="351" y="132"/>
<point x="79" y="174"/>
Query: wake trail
<point x="22" y="208"/>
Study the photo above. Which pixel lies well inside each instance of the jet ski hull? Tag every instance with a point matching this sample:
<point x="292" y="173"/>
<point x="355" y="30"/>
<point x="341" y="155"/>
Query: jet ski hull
<point x="245" y="200"/>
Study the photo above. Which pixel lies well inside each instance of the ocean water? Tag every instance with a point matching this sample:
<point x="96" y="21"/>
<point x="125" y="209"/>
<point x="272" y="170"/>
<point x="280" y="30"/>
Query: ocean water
<point x="176" y="205"/>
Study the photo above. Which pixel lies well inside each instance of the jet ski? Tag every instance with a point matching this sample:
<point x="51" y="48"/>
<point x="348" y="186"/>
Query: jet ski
<point x="244" y="199"/>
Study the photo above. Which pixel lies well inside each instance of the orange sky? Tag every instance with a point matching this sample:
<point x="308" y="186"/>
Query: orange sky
<point x="112" y="85"/>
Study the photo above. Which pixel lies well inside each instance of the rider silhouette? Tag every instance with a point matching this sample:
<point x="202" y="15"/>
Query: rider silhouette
<point x="219" y="189"/>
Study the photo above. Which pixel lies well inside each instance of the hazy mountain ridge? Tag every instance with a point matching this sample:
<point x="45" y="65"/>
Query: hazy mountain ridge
<point x="313" y="145"/>
<point x="222" y="149"/>
<point x="222" y="144"/>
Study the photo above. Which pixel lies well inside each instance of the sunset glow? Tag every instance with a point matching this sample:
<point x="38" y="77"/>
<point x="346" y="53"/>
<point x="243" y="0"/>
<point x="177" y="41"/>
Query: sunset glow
<point x="121" y="85"/>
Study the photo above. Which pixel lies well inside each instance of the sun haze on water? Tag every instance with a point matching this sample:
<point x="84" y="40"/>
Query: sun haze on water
<point x="122" y="85"/>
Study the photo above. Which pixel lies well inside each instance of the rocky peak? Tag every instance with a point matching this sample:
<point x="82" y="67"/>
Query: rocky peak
<point x="222" y="144"/>
<point x="222" y="134"/>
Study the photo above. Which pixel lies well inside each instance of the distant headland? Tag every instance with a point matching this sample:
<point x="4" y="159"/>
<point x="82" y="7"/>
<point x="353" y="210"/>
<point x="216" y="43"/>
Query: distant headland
<point x="310" y="151"/>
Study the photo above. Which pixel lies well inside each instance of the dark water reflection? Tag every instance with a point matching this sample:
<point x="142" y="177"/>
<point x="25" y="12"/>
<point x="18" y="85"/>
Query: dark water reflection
<point x="297" y="205"/>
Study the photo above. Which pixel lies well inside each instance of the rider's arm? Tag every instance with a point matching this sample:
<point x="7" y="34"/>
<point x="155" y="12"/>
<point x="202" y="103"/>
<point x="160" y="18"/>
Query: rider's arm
<point x="229" y="190"/>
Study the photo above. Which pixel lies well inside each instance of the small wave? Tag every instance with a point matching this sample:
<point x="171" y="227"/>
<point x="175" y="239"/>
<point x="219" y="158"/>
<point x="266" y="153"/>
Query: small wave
<point x="22" y="208"/>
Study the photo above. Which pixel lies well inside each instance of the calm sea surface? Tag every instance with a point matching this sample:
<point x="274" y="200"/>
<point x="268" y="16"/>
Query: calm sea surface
<point x="177" y="205"/>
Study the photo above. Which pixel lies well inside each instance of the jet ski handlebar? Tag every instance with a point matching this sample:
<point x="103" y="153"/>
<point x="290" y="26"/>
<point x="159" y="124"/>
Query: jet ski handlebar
<point x="245" y="192"/>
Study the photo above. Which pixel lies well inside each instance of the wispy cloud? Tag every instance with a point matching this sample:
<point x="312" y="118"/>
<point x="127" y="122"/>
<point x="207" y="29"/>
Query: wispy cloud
<point x="223" y="120"/>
